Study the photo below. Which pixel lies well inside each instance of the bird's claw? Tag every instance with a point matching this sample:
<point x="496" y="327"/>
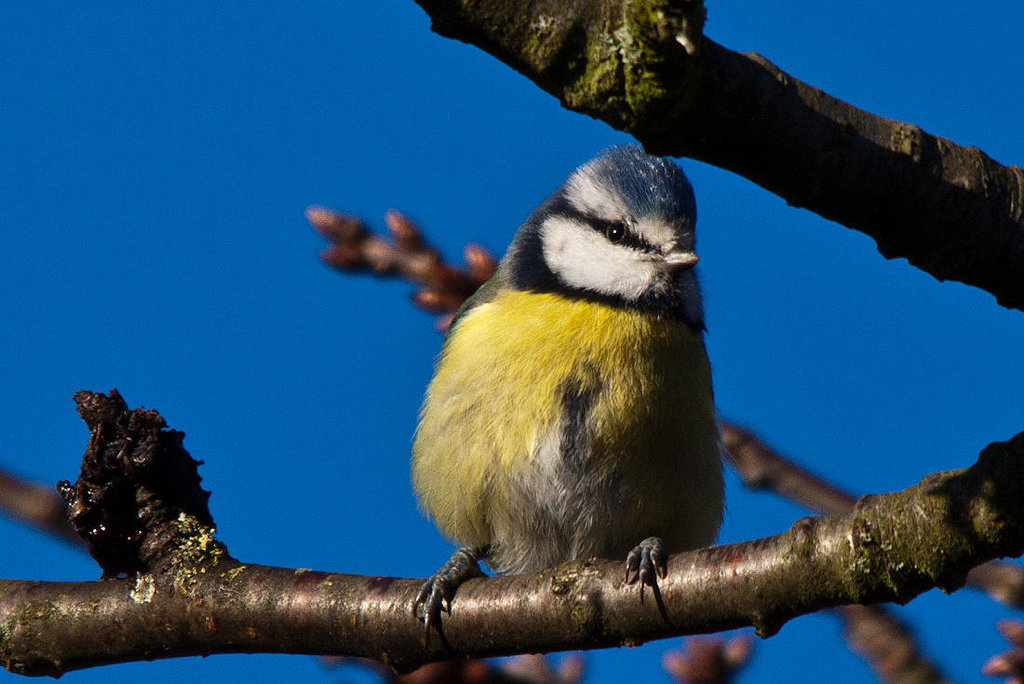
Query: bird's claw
<point x="433" y="598"/>
<point x="647" y="562"/>
<point x="436" y="594"/>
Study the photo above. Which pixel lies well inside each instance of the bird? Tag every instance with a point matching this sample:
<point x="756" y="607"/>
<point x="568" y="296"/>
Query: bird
<point x="571" y="412"/>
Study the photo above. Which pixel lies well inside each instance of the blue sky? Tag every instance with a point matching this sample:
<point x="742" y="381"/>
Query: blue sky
<point x="156" y="160"/>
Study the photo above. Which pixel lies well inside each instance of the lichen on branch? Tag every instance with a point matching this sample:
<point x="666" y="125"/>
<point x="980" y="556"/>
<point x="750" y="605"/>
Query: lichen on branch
<point x="188" y="597"/>
<point x="643" y="67"/>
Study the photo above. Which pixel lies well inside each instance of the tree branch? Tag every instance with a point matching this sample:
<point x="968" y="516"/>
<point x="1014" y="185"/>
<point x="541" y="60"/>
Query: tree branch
<point x="36" y="506"/>
<point x="760" y="467"/>
<point x="708" y="660"/>
<point x="1011" y="663"/>
<point x="644" y="68"/>
<point x="353" y="248"/>
<point x="888" y="645"/>
<point x="189" y="597"/>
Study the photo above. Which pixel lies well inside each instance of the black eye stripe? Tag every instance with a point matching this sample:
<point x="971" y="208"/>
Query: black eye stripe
<point x="603" y="226"/>
<point x="619" y="233"/>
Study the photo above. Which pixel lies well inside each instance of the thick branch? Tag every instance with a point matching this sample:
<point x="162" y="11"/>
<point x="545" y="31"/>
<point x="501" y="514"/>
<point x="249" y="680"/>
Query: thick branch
<point x="644" y="68"/>
<point x="891" y="547"/>
<point x="760" y="467"/>
<point x="874" y="632"/>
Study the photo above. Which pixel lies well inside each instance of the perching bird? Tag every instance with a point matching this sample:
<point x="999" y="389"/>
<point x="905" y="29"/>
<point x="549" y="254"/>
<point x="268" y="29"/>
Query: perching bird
<point x="570" y="414"/>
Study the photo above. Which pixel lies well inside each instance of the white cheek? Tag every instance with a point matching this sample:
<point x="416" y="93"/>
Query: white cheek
<point x="591" y="197"/>
<point x="584" y="259"/>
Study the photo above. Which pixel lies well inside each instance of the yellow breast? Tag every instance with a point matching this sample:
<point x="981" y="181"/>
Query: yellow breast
<point x="497" y="393"/>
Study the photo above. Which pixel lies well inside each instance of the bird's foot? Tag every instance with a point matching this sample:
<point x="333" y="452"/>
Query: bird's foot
<point x="436" y="594"/>
<point x="647" y="562"/>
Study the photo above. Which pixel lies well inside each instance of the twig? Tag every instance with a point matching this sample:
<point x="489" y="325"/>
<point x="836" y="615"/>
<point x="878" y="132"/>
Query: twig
<point x="137" y="501"/>
<point x="708" y="660"/>
<point x="888" y="644"/>
<point x="36" y="506"/>
<point x="1011" y="663"/>
<point x="524" y="669"/>
<point x="407" y="255"/>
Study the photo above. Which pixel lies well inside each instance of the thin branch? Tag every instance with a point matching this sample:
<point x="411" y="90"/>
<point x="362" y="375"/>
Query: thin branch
<point x="875" y="633"/>
<point x="888" y="644"/>
<point x="762" y="468"/>
<point x="523" y="669"/>
<point x="190" y="598"/>
<point x="1008" y="665"/>
<point x="644" y="68"/>
<point x="443" y="287"/>
<point x="708" y="660"/>
<point x="35" y="505"/>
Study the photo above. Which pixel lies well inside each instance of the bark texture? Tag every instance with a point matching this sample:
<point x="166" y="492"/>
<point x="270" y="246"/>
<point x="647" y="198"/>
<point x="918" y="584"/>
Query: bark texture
<point x="175" y="591"/>
<point x="644" y="68"/>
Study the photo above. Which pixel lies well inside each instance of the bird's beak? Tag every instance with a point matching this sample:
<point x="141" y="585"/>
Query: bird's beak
<point x="680" y="261"/>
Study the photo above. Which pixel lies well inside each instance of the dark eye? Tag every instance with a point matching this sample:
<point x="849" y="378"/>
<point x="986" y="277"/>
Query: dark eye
<point x="615" y="231"/>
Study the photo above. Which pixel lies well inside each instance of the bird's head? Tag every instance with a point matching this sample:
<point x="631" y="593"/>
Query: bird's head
<point x="620" y="229"/>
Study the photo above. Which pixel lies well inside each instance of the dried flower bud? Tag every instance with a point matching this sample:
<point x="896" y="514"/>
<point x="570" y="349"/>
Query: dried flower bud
<point x="406" y="234"/>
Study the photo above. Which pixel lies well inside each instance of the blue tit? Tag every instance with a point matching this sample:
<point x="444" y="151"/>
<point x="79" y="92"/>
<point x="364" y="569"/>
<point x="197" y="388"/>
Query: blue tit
<point x="570" y="414"/>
